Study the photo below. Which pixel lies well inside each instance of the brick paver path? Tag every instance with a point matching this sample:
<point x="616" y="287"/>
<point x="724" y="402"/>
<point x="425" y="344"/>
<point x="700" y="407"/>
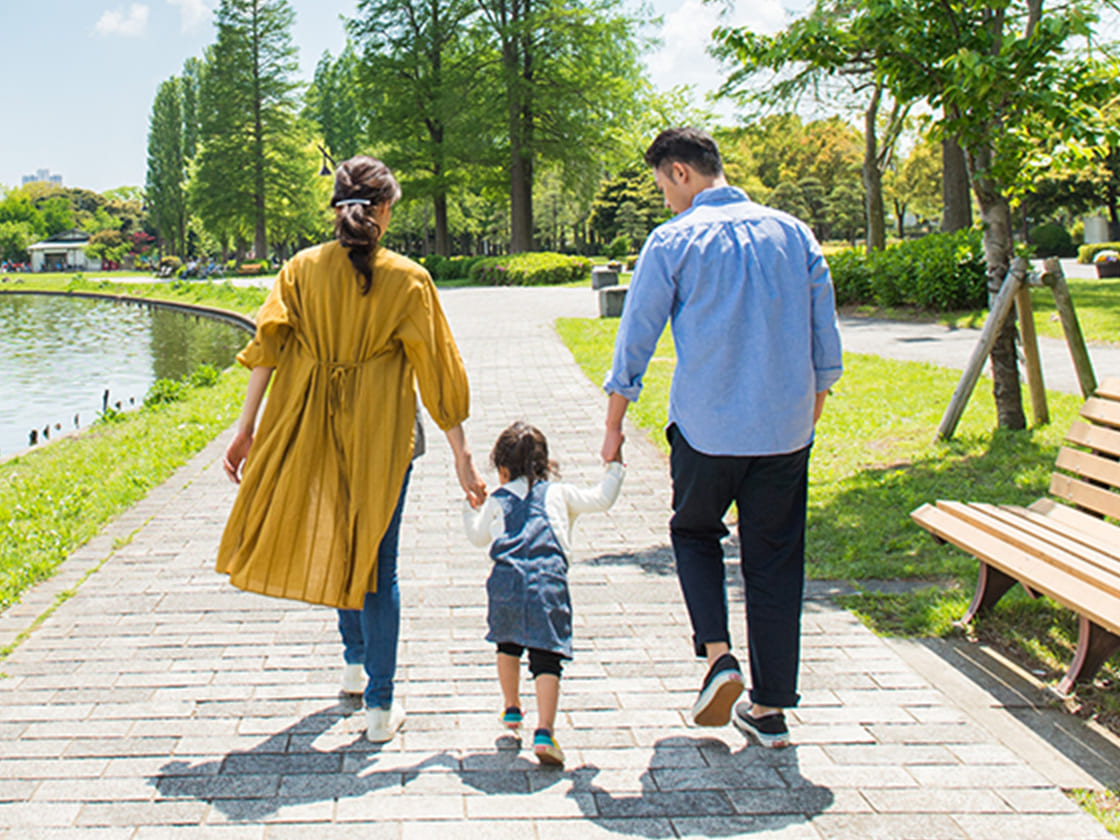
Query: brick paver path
<point x="158" y="702"/>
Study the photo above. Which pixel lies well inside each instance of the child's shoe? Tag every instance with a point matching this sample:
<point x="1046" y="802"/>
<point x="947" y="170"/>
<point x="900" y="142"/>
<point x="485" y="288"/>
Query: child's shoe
<point x="511" y="718"/>
<point x="546" y="749"/>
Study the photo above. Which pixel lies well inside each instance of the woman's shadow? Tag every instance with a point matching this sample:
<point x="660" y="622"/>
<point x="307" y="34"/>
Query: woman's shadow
<point x="289" y="768"/>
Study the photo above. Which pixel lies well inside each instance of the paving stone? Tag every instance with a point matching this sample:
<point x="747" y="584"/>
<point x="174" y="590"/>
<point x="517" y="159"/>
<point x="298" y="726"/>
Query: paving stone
<point x="159" y="702"/>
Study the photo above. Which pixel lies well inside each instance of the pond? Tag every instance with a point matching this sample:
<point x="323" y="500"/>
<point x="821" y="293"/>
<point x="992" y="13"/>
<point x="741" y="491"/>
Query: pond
<point x="60" y="355"/>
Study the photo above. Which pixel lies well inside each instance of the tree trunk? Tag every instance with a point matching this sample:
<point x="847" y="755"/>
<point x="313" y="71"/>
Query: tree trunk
<point x="957" y="212"/>
<point x="443" y="239"/>
<point x="873" y="177"/>
<point x="995" y="215"/>
<point x="260" y="242"/>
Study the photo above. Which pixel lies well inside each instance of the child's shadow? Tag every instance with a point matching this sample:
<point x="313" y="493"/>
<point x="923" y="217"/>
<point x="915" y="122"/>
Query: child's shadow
<point x="509" y="769"/>
<point x="287" y="769"/>
<point x="697" y="786"/>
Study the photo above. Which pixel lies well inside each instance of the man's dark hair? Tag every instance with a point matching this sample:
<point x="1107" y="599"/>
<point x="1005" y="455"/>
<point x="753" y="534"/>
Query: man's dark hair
<point x="685" y="145"/>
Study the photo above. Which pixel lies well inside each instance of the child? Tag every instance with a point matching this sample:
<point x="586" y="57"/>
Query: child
<point x="528" y="524"/>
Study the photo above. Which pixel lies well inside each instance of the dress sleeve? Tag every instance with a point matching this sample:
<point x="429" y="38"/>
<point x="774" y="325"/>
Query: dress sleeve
<point x="598" y="498"/>
<point x="275" y="322"/>
<point x="426" y="337"/>
<point x="478" y="524"/>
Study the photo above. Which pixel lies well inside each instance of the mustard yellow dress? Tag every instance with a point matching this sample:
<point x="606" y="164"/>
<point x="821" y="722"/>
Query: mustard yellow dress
<point x="330" y="453"/>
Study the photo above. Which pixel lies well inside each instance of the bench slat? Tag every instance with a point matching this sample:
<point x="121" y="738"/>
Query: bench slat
<point x="1090" y="466"/>
<point x="1101" y="410"/>
<point x="1103" y="534"/>
<point x="1082" y="528"/>
<point x="1090" y="566"/>
<point x="1097" y="438"/>
<point x="1109" y="388"/>
<point x="1085" y="495"/>
<point x="1081" y="597"/>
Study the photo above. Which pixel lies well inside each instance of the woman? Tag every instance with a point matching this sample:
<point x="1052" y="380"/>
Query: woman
<point x="348" y="329"/>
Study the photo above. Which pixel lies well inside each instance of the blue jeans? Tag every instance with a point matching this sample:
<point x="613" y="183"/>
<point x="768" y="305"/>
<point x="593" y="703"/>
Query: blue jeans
<point x="369" y="635"/>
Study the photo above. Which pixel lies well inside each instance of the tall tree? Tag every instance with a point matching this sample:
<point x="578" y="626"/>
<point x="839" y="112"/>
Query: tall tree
<point x="999" y="75"/>
<point x="568" y="67"/>
<point x="167" y="167"/>
<point x="420" y="71"/>
<point x="804" y="59"/>
<point x="333" y="103"/>
<point x="247" y="115"/>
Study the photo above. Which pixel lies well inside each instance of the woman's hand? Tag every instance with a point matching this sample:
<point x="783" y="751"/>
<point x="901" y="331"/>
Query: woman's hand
<point x="469" y="479"/>
<point x="236" y="453"/>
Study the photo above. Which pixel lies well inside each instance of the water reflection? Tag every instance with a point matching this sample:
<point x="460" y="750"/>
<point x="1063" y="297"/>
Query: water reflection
<point x="60" y="354"/>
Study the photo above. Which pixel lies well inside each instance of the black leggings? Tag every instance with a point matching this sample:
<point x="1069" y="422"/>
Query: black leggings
<point x="540" y="661"/>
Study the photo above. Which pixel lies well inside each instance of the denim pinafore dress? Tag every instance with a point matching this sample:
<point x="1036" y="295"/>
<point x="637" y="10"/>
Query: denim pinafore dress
<point x="529" y="603"/>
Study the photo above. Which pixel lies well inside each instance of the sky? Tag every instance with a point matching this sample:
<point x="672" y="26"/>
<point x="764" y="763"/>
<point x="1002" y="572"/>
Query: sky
<point x="80" y="75"/>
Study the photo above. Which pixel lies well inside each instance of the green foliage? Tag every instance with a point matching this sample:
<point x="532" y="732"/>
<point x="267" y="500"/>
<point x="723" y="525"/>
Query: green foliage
<point x="253" y="154"/>
<point x="164" y="391"/>
<point x="1052" y="240"/>
<point x="619" y="247"/>
<point x="55" y="498"/>
<point x="15" y="237"/>
<point x="941" y="272"/>
<point x="167" y="166"/>
<point x="627" y="205"/>
<point x="443" y="269"/>
<point x="1087" y="253"/>
<point x="204" y="376"/>
<point x="536" y="269"/>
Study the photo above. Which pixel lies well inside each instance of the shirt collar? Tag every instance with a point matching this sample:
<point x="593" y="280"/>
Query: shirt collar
<point x="719" y="195"/>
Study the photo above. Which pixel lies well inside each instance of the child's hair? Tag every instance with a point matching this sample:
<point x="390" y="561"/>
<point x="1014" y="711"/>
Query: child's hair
<point x="521" y="450"/>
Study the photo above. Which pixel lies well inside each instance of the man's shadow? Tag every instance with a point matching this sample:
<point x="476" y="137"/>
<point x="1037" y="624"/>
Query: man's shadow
<point x="698" y="786"/>
<point x="288" y="769"/>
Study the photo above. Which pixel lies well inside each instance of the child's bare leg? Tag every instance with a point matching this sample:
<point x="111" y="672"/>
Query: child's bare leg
<point x="548" y="697"/>
<point x="509" y="673"/>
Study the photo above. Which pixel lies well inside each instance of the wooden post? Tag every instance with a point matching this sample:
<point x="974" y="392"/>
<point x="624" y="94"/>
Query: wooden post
<point x="1001" y="308"/>
<point x="1025" y="310"/>
<point x="1056" y="280"/>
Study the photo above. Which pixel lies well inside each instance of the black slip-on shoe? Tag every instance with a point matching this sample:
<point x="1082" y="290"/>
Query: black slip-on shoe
<point x="769" y="730"/>
<point x="722" y="687"/>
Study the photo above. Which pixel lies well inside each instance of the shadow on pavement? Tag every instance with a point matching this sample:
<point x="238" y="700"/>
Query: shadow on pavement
<point x="655" y="560"/>
<point x="287" y="769"/>
<point x="697" y="786"/>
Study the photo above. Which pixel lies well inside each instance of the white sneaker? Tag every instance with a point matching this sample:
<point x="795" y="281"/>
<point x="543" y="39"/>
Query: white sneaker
<point x="354" y="679"/>
<point x="382" y="724"/>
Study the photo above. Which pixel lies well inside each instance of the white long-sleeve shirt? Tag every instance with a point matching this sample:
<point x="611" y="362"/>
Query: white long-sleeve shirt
<point x="563" y="503"/>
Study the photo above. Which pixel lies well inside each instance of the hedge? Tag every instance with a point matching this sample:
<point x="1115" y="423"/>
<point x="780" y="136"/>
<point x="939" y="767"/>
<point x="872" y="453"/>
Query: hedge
<point x="942" y="271"/>
<point x="1086" y="253"/>
<point x="536" y="269"/>
<point x="448" y="268"/>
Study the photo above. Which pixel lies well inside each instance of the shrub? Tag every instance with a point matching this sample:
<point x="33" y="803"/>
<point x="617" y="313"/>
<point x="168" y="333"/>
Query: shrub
<point x="942" y="271"/>
<point x="170" y="263"/>
<point x="538" y="269"/>
<point x="1052" y="240"/>
<point x="619" y="247"/>
<point x="204" y="376"/>
<point x="1087" y="253"/>
<point x="164" y="391"/>
<point x="448" y="268"/>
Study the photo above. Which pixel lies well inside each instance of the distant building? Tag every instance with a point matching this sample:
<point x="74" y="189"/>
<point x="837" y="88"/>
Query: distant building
<point x="63" y="252"/>
<point x="43" y="175"/>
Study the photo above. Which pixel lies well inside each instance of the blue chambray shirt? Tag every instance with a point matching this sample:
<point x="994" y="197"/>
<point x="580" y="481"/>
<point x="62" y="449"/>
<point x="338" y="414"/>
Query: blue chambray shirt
<point x="753" y="319"/>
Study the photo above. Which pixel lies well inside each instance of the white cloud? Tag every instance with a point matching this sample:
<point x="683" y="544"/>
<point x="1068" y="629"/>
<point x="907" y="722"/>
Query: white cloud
<point x="130" y="25"/>
<point x="687" y="34"/>
<point x="194" y="12"/>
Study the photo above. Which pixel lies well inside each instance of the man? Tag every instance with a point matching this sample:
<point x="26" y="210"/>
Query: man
<point x="754" y="324"/>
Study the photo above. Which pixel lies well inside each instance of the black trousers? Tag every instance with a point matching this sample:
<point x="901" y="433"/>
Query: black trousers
<point x="540" y="661"/>
<point x="770" y="492"/>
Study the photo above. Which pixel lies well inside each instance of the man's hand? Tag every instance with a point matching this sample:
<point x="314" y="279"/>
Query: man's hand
<point x="612" y="445"/>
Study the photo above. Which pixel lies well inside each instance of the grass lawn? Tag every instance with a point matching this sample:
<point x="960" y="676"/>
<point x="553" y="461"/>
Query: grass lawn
<point x="217" y="293"/>
<point x="873" y="462"/>
<point x="54" y="498"/>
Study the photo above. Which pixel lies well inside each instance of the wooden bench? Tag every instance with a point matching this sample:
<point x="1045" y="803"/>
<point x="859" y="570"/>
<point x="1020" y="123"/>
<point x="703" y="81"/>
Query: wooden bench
<point x="1065" y="551"/>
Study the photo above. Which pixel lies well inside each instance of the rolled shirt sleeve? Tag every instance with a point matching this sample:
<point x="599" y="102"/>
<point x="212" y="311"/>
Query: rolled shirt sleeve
<point x="828" y="362"/>
<point x="649" y="301"/>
